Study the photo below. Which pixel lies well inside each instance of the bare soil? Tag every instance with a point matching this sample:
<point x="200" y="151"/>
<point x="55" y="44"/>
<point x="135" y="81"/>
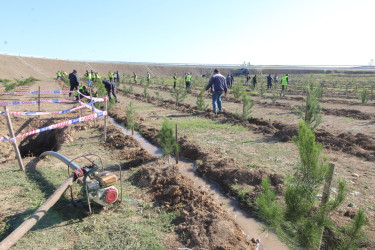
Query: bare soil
<point x="231" y="159"/>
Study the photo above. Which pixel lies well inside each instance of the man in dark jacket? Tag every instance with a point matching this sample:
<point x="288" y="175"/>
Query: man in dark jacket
<point x="218" y="86"/>
<point x="269" y="82"/>
<point x="111" y="88"/>
<point x="254" y="81"/>
<point x="74" y="83"/>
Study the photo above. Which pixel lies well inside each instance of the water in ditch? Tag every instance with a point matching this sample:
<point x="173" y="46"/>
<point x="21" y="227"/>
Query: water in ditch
<point x="251" y="227"/>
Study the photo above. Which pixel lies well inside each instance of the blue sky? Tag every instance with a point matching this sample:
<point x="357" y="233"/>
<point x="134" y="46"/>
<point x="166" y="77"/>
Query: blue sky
<point x="268" y="32"/>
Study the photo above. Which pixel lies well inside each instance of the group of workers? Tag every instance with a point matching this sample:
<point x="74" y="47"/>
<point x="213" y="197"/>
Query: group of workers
<point x="95" y="76"/>
<point x="114" y="76"/>
<point x="270" y="80"/>
<point x="61" y="74"/>
<point x="218" y="84"/>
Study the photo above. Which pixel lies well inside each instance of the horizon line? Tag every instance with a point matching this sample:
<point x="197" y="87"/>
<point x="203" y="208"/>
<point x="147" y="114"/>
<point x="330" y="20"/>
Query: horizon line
<point x="189" y="64"/>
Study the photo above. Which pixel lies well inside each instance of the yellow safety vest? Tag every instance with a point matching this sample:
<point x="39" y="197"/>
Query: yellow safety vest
<point x="284" y="80"/>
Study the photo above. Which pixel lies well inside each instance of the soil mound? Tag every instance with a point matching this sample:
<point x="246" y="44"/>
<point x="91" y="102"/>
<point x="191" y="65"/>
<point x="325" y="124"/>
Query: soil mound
<point x="201" y="223"/>
<point x="128" y="148"/>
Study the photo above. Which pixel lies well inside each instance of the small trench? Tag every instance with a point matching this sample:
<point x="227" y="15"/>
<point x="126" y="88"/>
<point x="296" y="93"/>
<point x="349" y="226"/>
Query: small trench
<point x="249" y="225"/>
<point x="34" y="146"/>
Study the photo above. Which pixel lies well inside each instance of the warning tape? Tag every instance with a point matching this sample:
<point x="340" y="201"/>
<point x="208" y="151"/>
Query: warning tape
<point x="50" y="113"/>
<point x="58" y="125"/>
<point x="36" y="102"/>
<point x="94" y="98"/>
<point x="37" y="92"/>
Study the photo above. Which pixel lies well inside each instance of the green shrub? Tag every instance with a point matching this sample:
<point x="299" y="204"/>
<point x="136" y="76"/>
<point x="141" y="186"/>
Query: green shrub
<point x="311" y="110"/>
<point x="158" y="96"/>
<point x="200" y="101"/>
<point x="364" y="96"/>
<point x="300" y="219"/>
<point x="238" y="90"/>
<point x="10" y="86"/>
<point x="247" y="106"/>
<point x="130" y="116"/>
<point x="145" y="92"/>
<point x="167" y="140"/>
<point x="179" y="93"/>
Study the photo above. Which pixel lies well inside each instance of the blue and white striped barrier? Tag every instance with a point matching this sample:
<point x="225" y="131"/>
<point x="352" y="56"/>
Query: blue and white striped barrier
<point x="58" y="125"/>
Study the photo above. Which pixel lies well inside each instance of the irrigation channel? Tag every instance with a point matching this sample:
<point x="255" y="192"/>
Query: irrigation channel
<point x="250" y="227"/>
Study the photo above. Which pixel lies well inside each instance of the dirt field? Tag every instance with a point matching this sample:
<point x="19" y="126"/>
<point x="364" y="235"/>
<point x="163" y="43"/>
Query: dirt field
<point x="234" y="153"/>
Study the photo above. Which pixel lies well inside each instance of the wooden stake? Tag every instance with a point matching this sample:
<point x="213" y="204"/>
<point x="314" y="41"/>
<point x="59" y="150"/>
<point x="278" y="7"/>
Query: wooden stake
<point x="177" y="144"/>
<point x="307" y="106"/>
<point x="92" y="106"/>
<point x="18" y="155"/>
<point x="105" y="120"/>
<point x="79" y="99"/>
<point x="326" y="193"/>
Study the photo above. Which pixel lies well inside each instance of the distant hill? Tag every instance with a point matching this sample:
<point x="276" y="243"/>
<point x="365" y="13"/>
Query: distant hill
<point x="23" y="67"/>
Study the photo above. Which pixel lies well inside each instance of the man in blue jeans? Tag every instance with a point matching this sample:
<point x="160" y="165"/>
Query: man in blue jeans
<point x="218" y="86"/>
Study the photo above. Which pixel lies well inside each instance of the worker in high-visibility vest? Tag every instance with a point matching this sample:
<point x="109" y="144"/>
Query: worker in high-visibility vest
<point x="58" y="75"/>
<point x="88" y="78"/>
<point x="148" y="77"/>
<point x="114" y="77"/>
<point x="188" y="80"/>
<point x="174" y="80"/>
<point x="110" y="76"/>
<point x="284" y="84"/>
<point x="93" y="77"/>
<point x="83" y="91"/>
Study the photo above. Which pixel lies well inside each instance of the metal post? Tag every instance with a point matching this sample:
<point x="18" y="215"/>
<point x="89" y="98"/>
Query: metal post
<point x="105" y="119"/>
<point x="92" y="106"/>
<point x="18" y="155"/>
<point x="177" y="144"/>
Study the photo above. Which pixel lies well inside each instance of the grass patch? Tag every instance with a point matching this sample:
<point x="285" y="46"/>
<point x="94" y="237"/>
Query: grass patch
<point x="199" y="125"/>
<point x="120" y="226"/>
<point x="347" y="119"/>
<point x="146" y="107"/>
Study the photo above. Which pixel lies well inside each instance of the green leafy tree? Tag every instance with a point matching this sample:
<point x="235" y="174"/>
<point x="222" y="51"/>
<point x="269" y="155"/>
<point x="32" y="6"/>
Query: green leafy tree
<point x="167" y="140"/>
<point x="179" y="93"/>
<point x="200" y="101"/>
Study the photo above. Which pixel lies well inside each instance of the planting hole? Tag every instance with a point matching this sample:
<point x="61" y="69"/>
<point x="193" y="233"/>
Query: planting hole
<point x="37" y="144"/>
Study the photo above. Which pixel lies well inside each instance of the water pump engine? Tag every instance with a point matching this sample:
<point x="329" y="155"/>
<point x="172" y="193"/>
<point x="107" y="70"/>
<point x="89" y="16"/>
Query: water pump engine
<point x="98" y="186"/>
